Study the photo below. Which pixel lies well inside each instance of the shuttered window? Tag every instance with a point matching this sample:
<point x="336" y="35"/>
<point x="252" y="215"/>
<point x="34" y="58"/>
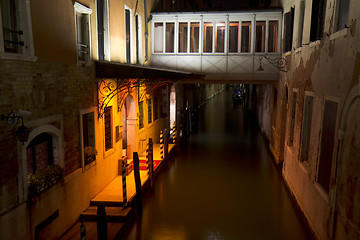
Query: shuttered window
<point x="149" y="111"/>
<point x="289" y="24"/>
<point x="141" y="115"/>
<point x="108" y="127"/>
<point x="317" y="19"/>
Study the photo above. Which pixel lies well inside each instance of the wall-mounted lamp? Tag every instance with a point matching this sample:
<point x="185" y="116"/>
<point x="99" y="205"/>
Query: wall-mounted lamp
<point x="279" y="63"/>
<point x="23" y="132"/>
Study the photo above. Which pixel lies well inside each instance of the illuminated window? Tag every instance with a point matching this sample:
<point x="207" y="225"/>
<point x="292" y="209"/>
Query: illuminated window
<point x="246" y="36"/>
<point x="158" y="37"/>
<point x="39" y="153"/>
<point x="88" y="133"/>
<point x="82" y="31"/>
<point x="208" y="37"/>
<point x="108" y="128"/>
<point x="342" y="12"/>
<point x="273" y="36"/>
<point x="220" y="37"/>
<point x="233" y="36"/>
<point x="260" y="36"/>
<point x="183" y="37"/>
<point x="306" y="128"/>
<point x="169" y="37"/>
<point x="16" y="27"/>
<point x="194" y="37"/>
<point x="149" y="110"/>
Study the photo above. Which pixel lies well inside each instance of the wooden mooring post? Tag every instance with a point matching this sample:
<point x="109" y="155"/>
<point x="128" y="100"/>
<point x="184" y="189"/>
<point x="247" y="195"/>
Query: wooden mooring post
<point x="137" y="182"/>
<point x="101" y="223"/>
<point x="151" y="164"/>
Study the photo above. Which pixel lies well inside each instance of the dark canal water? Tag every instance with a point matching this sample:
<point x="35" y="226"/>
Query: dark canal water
<point x="222" y="185"/>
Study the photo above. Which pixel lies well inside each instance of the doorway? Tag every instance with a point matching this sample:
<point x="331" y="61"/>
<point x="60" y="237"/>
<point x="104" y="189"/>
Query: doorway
<point x="129" y="127"/>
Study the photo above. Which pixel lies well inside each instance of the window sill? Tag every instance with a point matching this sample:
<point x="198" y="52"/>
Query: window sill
<point x="314" y="44"/>
<point x="88" y="166"/>
<point x="338" y="34"/>
<point x="324" y="195"/>
<point x="298" y="50"/>
<point x="4" y="55"/>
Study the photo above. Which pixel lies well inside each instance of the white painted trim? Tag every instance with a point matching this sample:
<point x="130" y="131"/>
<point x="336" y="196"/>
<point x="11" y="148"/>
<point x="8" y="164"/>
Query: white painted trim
<point x="81" y="8"/>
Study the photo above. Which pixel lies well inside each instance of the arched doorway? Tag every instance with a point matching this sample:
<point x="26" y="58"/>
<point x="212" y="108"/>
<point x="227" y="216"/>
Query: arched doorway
<point x="129" y="127"/>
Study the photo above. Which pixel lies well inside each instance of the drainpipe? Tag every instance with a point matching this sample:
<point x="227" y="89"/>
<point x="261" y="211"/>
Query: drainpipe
<point x="146" y="31"/>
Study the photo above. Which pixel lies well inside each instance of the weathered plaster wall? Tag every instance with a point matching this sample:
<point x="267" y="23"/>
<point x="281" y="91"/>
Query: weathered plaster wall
<point x="327" y="70"/>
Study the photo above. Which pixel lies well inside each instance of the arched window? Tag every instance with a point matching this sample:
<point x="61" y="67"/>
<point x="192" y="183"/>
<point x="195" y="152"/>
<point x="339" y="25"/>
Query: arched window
<point x="39" y="153"/>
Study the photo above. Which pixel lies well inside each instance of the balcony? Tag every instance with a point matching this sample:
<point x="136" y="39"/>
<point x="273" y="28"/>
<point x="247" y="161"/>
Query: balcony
<point x="224" y="46"/>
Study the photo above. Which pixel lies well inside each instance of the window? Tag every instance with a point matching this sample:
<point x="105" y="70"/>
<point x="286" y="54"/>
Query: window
<point x="39" y="153"/>
<point x="327" y="144"/>
<point x="246" y="36"/>
<point x="88" y="134"/>
<point x="82" y="31"/>
<point x="342" y="12"/>
<point x="194" y="37"/>
<point x="103" y="29"/>
<point x="317" y="19"/>
<point x="233" y="37"/>
<point x="138" y="39"/>
<point x="108" y="128"/>
<point x="16" y="27"/>
<point x="220" y="37"/>
<point x="306" y="128"/>
<point x="292" y="120"/>
<point x="301" y="24"/>
<point x="183" y="37"/>
<point x="156" y="108"/>
<point x="273" y="36"/>
<point x="158" y="37"/>
<point x="260" y="36"/>
<point x="128" y="35"/>
<point x="208" y="37"/>
<point x="169" y="37"/>
<point x="288" y="31"/>
<point x="149" y="110"/>
<point x="141" y="115"/>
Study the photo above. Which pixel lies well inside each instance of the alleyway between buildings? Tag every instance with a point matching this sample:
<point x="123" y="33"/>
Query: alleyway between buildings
<point x="223" y="184"/>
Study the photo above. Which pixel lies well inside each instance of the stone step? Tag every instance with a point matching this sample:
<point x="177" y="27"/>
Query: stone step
<point x="113" y="214"/>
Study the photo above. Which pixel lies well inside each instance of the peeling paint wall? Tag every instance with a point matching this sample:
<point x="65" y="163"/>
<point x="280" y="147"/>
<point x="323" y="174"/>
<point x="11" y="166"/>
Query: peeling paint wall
<point x="328" y="70"/>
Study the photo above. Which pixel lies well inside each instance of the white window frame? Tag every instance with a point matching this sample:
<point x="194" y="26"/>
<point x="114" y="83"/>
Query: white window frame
<point x="83" y="112"/>
<point x="107" y="56"/>
<point x="28" y="52"/>
<point x="79" y="8"/>
<point x="337" y="14"/>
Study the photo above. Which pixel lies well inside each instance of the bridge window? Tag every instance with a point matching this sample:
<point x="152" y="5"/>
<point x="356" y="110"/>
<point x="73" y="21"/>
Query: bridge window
<point x="169" y="36"/>
<point x="194" y="37"/>
<point x="245" y="36"/>
<point x="220" y="37"/>
<point x="208" y="37"/>
<point x="260" y="36"/>
<point x="158" y="35"/>
<point x="183" y="37"/>
<point x="233" y="36"/>
<point x="273" y="36"/>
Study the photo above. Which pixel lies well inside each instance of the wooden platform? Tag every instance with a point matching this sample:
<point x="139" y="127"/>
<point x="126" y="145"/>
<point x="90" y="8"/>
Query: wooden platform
<point x="113" y="214"/>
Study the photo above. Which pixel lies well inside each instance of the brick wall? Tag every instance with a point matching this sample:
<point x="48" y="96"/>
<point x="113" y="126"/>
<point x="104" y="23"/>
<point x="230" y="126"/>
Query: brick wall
<point x="45" y="89"/>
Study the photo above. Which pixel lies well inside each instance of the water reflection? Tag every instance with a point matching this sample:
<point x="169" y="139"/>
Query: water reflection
<point x="222" y="185"/>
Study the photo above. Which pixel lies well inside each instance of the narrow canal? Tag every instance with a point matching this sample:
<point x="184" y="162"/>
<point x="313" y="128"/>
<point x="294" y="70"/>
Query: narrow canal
<point x="222" y="185"/>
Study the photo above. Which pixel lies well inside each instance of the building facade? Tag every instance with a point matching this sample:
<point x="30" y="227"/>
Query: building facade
<point x="55" y="59"/>
<point x="311" y="116"/>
